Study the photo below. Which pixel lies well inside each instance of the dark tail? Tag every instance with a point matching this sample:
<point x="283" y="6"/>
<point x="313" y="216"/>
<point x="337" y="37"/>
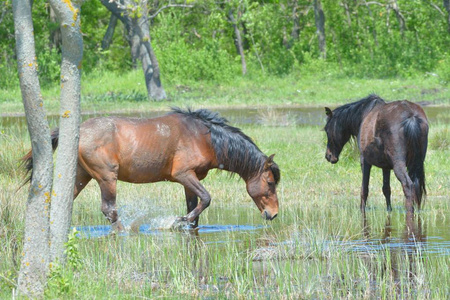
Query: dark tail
<point x="27" y="160"/>
<point x="416" y="134"/>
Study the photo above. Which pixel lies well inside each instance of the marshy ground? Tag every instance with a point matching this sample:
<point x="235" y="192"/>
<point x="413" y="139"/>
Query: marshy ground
<point x="319" y="246"/>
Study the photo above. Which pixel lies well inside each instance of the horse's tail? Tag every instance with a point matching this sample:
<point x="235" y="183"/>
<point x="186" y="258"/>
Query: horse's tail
<point x="416" y="135"/>
<point x="27" y="160"/>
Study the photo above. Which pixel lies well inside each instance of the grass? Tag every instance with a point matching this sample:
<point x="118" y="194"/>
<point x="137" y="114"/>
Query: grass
<point x="318" y="247"/>
<point x="126" y="92"/>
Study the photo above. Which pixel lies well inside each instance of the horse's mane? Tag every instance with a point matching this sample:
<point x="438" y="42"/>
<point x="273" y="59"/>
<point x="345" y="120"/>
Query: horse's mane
<point x="350" y="116"/>
<point x="234" y="150"/>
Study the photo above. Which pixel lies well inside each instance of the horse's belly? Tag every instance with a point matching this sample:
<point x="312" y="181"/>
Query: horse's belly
<point x="376" y="157"/>
<point x="143" y="171"/>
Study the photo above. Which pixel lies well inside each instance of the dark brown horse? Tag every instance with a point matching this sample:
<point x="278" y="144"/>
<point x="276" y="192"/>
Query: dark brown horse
<point x="179" y="147"/>
<point x="391" y="136"/>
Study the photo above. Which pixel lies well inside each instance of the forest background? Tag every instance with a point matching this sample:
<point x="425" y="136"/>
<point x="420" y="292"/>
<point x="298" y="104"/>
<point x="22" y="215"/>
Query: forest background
<point x="209" y="48"/>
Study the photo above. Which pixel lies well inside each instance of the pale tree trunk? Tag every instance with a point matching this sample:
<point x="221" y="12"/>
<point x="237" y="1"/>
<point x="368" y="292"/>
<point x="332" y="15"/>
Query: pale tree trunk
<point x="68" y="14"/>
<point x="35" y="259"/>
<point x="147" y="55"/>
<point x="447" y="8"/>
<point x="319" y="17"/>
<point x="140" y="43"/>
<point x="238" y="40"/>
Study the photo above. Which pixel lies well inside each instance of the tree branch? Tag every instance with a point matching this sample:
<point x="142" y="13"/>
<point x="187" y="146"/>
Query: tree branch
<point x="168" y="6"/>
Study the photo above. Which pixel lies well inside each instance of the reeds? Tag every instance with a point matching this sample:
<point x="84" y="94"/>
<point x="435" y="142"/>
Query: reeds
<point x="319" y="247"/>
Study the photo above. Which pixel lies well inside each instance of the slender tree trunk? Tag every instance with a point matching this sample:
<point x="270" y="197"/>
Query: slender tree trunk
<point x="107" y="38"/>
<point x="238" y="40"/>
<point x="140" y="43"/>
<point x="35" y="260"/>
<point x="447" y="8"/>
<point x="68" y="15"/>
<point x="374" y="30"/>
<point x="150" y="64"/>
<point x="294" y="36"/>
<point x="319" y="17"/>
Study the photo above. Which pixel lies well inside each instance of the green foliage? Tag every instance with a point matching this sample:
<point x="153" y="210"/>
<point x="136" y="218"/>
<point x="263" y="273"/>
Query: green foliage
<point x="60" y="279"/>
<point x="197" y="44"/>
<point x="58" y="283"/>
<point x="72" y="250"/>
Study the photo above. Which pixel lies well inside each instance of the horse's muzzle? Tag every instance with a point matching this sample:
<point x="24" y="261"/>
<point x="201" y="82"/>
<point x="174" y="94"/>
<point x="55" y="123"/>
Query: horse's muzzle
<point x="268" y="216"/>
<point x="331" y="158"/>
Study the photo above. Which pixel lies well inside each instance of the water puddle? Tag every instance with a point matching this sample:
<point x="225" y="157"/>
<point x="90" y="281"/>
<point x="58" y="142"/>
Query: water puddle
<point x="99" y="231"/>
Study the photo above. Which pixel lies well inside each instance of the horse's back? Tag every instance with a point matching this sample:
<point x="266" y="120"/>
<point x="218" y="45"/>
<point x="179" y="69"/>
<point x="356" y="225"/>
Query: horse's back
<point x="382" y="134"/>
<point x="138" y="150"/>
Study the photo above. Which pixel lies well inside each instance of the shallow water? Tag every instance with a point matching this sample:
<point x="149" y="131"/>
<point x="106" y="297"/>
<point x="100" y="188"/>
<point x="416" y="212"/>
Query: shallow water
<point x="265" y="116"/>
<point x="150" y="229"/>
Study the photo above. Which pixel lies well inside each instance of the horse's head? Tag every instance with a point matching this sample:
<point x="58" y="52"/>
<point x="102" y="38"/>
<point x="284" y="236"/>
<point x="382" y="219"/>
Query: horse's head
<point x="262" y="189"/>
<point x="337" y="137"/>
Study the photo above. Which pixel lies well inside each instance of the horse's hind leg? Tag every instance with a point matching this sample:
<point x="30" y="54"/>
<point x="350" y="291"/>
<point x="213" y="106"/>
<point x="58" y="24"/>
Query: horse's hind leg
<point x="191" y="202"/>
<point x="387" y="188"/>
<point x="108" y="191"/>
<point x="400" y="172"/>
<point x="365" y="184"/>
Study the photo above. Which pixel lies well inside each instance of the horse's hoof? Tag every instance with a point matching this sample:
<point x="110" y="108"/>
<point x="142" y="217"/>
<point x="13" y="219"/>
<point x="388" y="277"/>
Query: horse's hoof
<point x="181" y="223"/>
<point x="117" y="227"/>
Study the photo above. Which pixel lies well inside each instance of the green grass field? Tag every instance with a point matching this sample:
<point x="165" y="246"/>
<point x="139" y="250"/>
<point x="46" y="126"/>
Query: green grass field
<point x="319" y="247"/>
<point x="126" y="92"/>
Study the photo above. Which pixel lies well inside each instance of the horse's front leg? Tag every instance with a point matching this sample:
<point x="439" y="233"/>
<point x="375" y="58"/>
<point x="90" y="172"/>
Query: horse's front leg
<point x="191" y="202"/>
<point x="365" y="167"/>
<point x="387" y="188"/>
<point x="108" y="191"/>
<point x="193" y="187"/>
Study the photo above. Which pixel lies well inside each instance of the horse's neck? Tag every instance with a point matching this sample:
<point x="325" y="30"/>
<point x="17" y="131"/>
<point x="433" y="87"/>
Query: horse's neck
<point x="355" y="125"/>
<point x="246" y="169"/>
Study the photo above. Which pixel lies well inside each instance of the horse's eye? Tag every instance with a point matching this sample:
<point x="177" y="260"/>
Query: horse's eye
<point x="271" y="183"/>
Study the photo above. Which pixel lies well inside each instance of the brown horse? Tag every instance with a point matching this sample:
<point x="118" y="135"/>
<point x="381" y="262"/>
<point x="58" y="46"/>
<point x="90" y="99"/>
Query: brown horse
<point x="390" y="136"/>
<point x="179" y="147"/>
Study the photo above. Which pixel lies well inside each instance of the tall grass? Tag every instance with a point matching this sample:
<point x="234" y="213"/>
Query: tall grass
<point x="318" y="247"/>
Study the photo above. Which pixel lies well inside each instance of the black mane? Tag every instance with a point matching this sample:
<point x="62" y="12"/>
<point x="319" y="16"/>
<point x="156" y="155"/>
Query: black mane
<point x="235" y="151"/>
<point x="349" y="116"/>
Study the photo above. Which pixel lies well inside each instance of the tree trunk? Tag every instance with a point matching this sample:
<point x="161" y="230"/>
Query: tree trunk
<point x="319" y="17"/>
<point x="374" y="30"/>
<point x="35" y="260"/>
<point x="447" y="7"/>
<point x="238" y="40"/>
<point x="140" y="43"/>
<point x="107" y="38"/>
<point x="69" y="125"/>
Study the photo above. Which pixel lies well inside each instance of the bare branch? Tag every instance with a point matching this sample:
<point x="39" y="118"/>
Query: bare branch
<point x="436" y="7"/>
<point x="376" y="3"/>
<point x="168" y="6"/>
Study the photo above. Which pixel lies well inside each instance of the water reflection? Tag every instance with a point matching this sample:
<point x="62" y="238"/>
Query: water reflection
<point x="403" y="257"/>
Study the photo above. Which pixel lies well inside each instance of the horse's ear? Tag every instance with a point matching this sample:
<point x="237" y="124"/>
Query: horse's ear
<point x="269" y="162"/>
<point x="328" y="112"/>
